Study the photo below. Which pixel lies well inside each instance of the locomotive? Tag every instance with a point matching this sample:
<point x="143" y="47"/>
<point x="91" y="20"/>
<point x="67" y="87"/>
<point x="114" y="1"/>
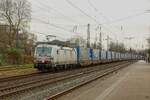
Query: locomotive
<point x="49" y="57"/>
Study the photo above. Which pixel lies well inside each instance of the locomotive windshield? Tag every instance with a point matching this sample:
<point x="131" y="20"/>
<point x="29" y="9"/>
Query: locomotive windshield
<point x="43" y="51"/>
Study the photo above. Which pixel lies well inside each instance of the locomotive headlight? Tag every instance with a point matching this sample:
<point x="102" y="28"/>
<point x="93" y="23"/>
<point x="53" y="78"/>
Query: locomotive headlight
<point x="43" y="61"/>
<point x="35" y="60"/>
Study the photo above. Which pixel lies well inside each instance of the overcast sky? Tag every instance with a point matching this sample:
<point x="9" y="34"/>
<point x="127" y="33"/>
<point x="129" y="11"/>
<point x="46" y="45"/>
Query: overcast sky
<point x="61" y="17"/>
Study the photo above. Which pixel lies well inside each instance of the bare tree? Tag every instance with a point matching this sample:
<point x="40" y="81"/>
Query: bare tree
<point x="16" y="14"/>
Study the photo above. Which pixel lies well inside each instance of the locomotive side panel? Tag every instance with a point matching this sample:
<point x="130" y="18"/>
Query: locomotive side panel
<point x="63" y="56"/>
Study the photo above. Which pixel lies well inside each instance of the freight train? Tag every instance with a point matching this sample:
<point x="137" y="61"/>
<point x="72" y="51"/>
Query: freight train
<point x="49" y="57"/>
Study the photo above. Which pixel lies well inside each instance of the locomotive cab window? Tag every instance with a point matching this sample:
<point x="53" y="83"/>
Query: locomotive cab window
<point x="43" y="51"/>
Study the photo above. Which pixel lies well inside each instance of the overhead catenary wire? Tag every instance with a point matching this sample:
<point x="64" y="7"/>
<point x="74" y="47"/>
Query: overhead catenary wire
<point x="79" y="9"/>
<point x="97" y="10"/>
<point x="95" y="20"/>
<point x="126" y="18"/>
<point x="54" y="9"/>
<point x="114" y="21"/>
<point x="100" y="13"/>
<point x="121" y="19"/>
<point x="56" y="26"/>
<point x="59" y="27"/>
<point x="83" y="12"/>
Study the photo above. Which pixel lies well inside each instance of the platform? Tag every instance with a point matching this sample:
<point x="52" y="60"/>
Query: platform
<point x="132" y="83"/>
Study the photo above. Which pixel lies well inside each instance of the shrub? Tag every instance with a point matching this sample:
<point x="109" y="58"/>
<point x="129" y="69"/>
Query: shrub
<point x="13" y="56"/>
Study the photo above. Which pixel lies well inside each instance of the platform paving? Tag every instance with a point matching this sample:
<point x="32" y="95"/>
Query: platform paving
<point x="131" y="83"/>
<point x="134" y="85"/>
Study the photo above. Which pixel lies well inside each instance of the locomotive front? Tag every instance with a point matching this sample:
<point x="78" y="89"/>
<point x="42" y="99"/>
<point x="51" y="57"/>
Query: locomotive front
<point x="42" y="57"/>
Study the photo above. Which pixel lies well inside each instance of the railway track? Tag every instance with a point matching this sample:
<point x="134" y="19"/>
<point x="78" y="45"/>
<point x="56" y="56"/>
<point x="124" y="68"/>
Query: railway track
<point x="11" y="78"/>
<point x="15" y="85"/>
<point x="106" y="72"/>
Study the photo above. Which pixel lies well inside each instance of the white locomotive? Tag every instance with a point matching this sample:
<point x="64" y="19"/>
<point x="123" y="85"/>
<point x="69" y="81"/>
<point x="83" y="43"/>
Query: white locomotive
<point x="52" y="56"/>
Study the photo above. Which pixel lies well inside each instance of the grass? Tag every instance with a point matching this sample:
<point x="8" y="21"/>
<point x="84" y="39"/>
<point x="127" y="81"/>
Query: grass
<point x="14" y="70"/>
<point x="13" y="67"/>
